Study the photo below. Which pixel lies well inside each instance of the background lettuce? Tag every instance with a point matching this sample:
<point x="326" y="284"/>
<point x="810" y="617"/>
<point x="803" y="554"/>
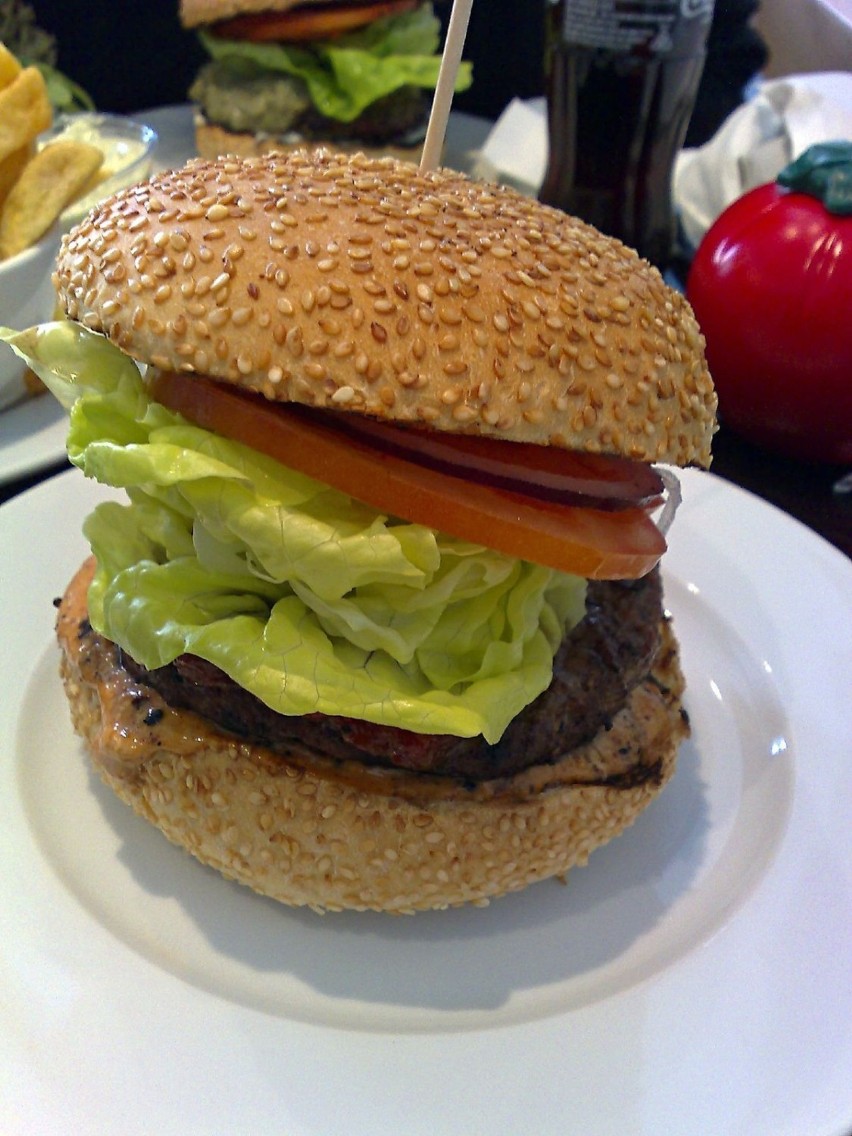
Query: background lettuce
<point x="346" y="74"/>
<point x="305" y="597"/>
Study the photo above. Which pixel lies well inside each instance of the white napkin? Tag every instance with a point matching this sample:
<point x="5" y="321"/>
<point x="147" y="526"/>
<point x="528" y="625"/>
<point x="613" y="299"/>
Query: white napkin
<point x="752" y="146"/>
<point x="515" y="151"/>
<point x="757" y="140"/>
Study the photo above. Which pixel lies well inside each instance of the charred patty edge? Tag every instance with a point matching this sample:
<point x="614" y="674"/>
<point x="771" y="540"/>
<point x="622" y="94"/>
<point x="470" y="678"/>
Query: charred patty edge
<point x="597" y="667"/>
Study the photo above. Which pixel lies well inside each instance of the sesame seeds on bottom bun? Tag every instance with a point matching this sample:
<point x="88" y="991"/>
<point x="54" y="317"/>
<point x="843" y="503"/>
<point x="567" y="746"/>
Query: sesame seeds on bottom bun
<point x="365" y="285"/>
<point x="337" y="835"/>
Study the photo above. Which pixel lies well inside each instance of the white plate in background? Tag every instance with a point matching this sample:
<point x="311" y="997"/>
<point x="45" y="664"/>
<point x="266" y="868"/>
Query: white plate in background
<point x="32" y="437"/>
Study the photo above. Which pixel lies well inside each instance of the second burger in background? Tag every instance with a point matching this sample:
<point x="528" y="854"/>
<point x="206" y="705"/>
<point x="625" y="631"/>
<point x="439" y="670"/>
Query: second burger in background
<point x="380" y="626"/>
<point x="357" y="74"/>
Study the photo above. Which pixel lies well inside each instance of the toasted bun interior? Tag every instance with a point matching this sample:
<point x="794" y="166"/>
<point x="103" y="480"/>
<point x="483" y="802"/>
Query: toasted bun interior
<point x="358" y="284"/>
<point x="334" y="835"/>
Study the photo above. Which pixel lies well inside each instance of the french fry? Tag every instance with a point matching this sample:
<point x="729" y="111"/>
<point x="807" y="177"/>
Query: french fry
<point x="9" y="66"/>
<point x="52" y="179"/>
<point x="33" y="384"/>
<point x="25" y="110"/>
<point x="11" y="168"/>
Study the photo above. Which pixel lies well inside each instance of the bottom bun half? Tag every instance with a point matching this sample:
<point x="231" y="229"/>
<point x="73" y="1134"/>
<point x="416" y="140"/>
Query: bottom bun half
<point x="332" y="835"/>
<point x="212" y="141"/>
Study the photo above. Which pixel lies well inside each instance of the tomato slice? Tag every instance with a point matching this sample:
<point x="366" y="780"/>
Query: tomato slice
<point x="594" y="543"/>
<point x="593" y="481"/>
<point x="314" y="22"/>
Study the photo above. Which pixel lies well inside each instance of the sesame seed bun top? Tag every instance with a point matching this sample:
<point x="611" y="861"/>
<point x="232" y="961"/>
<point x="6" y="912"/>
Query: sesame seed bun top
<point x="362" y="284"/>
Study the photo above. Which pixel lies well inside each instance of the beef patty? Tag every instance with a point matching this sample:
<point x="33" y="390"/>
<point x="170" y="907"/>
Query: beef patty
<point x="597" y="665"/>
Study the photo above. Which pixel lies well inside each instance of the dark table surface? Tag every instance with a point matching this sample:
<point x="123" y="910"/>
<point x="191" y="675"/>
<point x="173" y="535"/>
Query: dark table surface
<point x="804" y="491"/>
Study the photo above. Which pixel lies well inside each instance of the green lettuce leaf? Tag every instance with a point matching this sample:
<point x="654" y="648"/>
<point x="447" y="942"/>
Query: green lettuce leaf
<point x="305" y="597"/>
<point x="65" y="95"/>
<point x="347" y="74"/>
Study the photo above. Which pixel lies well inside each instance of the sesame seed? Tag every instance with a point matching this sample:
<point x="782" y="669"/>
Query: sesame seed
<point x="293" y="341"/>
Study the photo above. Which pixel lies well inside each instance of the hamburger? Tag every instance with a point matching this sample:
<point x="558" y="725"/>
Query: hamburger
<point x="380" y="625"/>
<point x="356" y="73"/>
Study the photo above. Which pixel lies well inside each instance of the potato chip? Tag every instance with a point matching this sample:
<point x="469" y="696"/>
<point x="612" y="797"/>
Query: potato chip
<point x="25" y="110"/>
<point x="49" y="182"/>
<point x="9" y="66"/>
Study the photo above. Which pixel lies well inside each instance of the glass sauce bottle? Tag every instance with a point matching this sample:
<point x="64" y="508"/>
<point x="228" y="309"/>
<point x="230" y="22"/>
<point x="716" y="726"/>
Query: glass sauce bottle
<point x="622" y="76"/>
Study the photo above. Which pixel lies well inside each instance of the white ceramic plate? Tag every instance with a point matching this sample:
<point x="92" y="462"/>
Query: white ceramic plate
<point x="694" y="978"/>
<point x="32" y="437"/>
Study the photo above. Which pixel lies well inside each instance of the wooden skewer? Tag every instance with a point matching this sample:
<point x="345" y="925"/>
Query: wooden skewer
<point x="440" y="113"/>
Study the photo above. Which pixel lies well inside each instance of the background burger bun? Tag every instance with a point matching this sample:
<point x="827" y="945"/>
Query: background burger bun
<point x="196" y="13"/>
<point x="213" y="141"/>
<point x="311" y="832"/>
<point x="364" y="285"/>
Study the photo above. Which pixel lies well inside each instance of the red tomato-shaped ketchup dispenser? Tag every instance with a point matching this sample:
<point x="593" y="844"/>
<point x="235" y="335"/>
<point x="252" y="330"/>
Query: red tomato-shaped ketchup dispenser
<point x="771" y="286"/>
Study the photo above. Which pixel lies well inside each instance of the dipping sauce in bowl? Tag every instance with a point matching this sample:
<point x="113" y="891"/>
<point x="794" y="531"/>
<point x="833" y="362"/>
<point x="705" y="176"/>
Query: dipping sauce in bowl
<point x="128" y="148"/>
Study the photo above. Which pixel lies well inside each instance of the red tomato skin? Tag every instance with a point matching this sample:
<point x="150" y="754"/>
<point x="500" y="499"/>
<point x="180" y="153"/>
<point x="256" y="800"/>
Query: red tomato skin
<point x="771" y="287"/>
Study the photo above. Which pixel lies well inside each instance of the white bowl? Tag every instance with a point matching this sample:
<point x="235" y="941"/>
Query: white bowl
<point x="26" y="297"/>
<point x="128" y="148"/>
